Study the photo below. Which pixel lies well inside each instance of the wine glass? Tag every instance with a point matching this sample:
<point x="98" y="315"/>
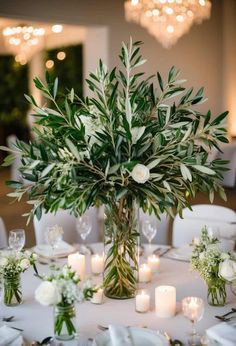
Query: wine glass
<point x="149" y="230"/>
<point x="53" y="236"/>
<point x="16" y="239"/>
<point x="193" y="309"/>
<point x="84" y="227"/>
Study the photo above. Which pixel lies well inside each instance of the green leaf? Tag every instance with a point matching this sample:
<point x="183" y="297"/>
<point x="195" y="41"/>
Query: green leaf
<point x="153" y="163"/>
<point x="55" y="87"/>
<point x="204" y="169"/>
<point x="47" y="169"/>
<point x="73" y="149"/>
<point x="186" y="174"/>
<point x="160" y="81"/>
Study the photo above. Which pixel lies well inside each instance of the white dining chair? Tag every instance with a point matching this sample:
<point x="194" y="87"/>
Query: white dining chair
<point x="162" y="226"/>
<point x="221" y="220"/>
<point x="229" y="153"/>
<point x="68" y="222"/>
<point x="3" y="234"/>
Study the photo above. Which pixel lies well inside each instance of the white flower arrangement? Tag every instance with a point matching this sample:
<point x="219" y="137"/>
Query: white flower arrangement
<point x="217" y="268"/>
<point x="63" y="288"/>
<point x="210" y="261"/>
<point x="12" y="263"/>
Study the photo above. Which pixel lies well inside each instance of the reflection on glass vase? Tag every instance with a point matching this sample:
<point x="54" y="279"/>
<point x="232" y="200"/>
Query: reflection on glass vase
<point x="216" y="293"/>
<point x="64" y="322"/>
<point x="121" y="236"/>
<point x="12" y="290"/>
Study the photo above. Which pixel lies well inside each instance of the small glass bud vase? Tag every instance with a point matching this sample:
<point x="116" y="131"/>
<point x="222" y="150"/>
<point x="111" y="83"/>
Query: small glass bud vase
<point x="216" y="293"/>
<point x="12" y="290"/>
<point x="64" y="322"/>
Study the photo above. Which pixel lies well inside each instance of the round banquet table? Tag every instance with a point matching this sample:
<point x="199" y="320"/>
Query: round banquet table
<point x="37" y="320"/>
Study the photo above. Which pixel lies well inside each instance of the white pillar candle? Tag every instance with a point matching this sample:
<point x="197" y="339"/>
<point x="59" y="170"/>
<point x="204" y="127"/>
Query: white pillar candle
<point x="77" y="263"/>
<point x="98" y="297"/>
<point x="165" y="300"/>
<point x="154" y="263"/>
<point x="145" y="273"/>
<point x="142" y="301"/>
<point x="97" y="264"/>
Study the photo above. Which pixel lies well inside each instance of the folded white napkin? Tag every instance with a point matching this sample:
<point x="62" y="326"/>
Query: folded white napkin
<point x="120" y="336"/>
<point x="9" y="336"/>
<point x="62" y="249"/>
<point x="223" y="333"/>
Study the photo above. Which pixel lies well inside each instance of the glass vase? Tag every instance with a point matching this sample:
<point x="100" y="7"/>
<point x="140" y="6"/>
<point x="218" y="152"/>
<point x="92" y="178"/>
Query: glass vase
<point x="64" y="322"/>
<point x="216" y="293"/>
<point x="121" y="238"/>
<point x="12" y="290"/>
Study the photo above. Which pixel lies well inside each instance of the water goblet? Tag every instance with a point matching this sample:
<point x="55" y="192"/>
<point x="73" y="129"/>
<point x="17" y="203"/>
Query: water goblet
<point x="53" y="237"/>
<point x="193" y="309"/>
<point x="16" y="239"/>
<point x="149" y="231"/>
<point x="84" y="227"/>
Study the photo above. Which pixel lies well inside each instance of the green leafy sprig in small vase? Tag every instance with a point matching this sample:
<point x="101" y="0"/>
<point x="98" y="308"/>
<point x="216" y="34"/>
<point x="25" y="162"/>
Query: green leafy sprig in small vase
<point x="217" y="268"/>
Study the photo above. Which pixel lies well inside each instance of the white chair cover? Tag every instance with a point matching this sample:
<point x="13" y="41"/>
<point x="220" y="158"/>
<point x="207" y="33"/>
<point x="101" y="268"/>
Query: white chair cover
<point x="3" y="234"/>
<point x="221" y="220"/>
<point x="229" y="153"/>
<point x="68" y="222"/>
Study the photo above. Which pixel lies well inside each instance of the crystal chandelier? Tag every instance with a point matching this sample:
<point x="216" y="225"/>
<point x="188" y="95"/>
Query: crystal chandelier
<point x="23" y="41"/>
<point x="167" y="20"/>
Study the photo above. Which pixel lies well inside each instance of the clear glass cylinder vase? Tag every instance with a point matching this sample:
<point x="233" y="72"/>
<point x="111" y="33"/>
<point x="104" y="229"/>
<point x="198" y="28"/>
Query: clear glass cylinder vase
<point x="216" y="293"/>
<point x="65" y="322"/>
<point x="121" y="239"/>
<point x="12" y="290"/>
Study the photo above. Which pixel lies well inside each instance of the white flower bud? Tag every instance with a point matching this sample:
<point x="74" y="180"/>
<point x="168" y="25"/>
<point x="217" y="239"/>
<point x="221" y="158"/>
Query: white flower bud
<point x="140" y="173"/>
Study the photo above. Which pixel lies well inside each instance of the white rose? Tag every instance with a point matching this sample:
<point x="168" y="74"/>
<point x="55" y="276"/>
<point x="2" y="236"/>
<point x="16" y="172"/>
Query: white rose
<point x="140" y="173"/>
<point x="3" y="262"/>
<point x="47" y="294"/>
<point x="227" y="270"/>
<point x="24" y="264"/>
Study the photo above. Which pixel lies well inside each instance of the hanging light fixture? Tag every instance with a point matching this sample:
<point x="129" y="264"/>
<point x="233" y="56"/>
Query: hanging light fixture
<point x="23" y="41"/>
<point x="167" y="20"/>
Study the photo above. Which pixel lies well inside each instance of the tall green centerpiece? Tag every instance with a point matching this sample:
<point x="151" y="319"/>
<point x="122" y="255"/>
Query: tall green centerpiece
<point x="136" y="142"/>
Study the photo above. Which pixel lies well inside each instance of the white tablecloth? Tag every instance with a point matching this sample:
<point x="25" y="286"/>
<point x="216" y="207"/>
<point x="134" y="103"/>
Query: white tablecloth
<point x="37" y="320"/>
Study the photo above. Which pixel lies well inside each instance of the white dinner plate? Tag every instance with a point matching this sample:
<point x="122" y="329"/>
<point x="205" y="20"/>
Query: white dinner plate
<point x="139" y="336"/>
<point x="62" y="250"/>
<point x="182" y="253"/>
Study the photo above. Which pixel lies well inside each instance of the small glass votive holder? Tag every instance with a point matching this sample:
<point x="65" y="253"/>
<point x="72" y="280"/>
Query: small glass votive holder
<point x="144" y="273"/>
<point x="97" y="264"/>
<point x="154" y="262"/>
<point x="142" y="301"/>
<point x="98" y="297"/>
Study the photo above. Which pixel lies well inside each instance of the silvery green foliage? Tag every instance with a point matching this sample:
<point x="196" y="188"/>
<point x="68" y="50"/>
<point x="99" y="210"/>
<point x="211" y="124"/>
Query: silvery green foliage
<point x="86" y="149"/>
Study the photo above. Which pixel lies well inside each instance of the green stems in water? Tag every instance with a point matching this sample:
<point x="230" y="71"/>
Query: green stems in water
<point x="12" y="290"/>
<point x="121" y="249"/>
<point x="216" y="294"/>
<point x="64" y="322"/>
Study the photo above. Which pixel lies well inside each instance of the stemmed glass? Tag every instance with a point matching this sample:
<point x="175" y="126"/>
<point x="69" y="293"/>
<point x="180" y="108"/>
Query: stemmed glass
<point x="149" y="230"/>
<point x="53" y="236"/>
<point x="16" y="239"/>
<point x="193" y="309"/>
<point x="84" y="227"/>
